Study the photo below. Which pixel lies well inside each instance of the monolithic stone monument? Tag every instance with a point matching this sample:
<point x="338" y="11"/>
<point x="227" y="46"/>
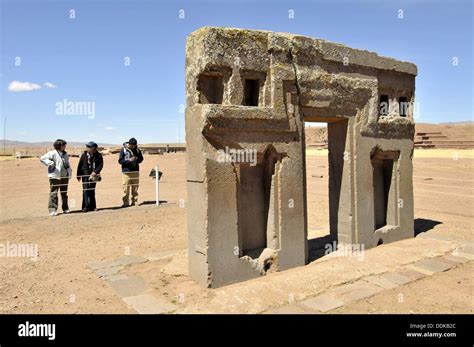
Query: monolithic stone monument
<point x="248" y="96"/>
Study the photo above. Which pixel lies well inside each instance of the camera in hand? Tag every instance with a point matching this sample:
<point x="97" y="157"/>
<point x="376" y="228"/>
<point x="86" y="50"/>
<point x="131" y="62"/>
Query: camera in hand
<point x="96" y="178"/>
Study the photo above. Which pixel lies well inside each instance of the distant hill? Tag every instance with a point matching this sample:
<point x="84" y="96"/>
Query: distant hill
<point x="462" y="131"/>
<point x="454" y="131"/>
<point x="468" y="122"/>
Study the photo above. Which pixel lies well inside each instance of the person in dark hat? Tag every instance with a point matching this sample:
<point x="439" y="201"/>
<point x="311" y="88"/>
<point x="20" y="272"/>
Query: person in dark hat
<point x="130" y="159"/>
<point x="59" y="173"/>
<point x="88" y="170"/>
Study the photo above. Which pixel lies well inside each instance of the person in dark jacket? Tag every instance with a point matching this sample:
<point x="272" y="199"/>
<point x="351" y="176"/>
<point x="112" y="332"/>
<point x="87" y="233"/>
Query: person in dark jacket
<point x="130" y="159"/>
<point x="88" y="170"/>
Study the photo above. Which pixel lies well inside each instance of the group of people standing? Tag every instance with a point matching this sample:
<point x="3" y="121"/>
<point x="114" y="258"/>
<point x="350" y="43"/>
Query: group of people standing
<point x="88" y="172"/>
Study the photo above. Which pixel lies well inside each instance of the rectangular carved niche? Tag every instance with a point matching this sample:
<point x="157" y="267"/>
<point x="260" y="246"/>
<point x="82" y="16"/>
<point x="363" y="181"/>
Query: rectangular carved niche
<point x="403" y="106"/>
<point x="211" y="85"/>
<point x="253" y="83"/>
<point x="385" y="187"/>
<point x="256" y="196"/>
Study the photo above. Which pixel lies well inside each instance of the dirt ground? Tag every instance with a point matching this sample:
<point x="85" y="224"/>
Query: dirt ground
<point x="61" y="282"/>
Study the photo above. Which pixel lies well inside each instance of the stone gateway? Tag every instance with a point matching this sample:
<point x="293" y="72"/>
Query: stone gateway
<point x="252" y="91"/>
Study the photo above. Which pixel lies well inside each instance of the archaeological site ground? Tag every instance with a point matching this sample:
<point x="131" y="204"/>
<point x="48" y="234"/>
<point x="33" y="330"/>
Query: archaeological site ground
<point x="306" y="161"/>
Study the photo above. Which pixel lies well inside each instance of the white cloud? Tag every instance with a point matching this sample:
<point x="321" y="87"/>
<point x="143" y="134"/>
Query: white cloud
<point x="109" y="128"/>
<point x="49" y="85"/>
<point x="17" y="86"/>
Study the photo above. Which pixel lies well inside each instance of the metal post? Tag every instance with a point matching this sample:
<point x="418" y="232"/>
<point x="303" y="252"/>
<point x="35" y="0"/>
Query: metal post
<point x="157" y="186"/>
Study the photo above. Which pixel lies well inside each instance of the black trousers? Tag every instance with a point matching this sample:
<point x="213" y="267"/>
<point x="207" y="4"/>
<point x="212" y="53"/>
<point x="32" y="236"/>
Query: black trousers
<point x="88" y="194"/>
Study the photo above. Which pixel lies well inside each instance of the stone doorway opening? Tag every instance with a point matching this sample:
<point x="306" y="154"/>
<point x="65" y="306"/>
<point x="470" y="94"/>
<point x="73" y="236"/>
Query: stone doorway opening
<point x="324" y="165"/>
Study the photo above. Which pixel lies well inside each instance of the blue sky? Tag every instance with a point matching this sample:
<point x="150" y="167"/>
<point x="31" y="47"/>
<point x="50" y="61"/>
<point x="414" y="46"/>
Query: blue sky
<point x="84" y="58"/>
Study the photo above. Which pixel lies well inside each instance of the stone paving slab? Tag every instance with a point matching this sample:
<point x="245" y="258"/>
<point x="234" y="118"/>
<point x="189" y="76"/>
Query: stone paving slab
<point x="108" y="271"/>
<point x="322" y="303"/>
<point x="396" y="278"/>
<point x="366" y="287"/>
<point x="465" y="255"/>
<point x="465" y="251"/>
<point x="430" y="266"/>
<point x="288" y="309"/>
<point x="355" y="291"/>
<point x="129" y="286"/>
<point x="412" y="275"/>
<point x="149" y="304"/>
<point x="381" y="282"/>
<point x="454" y="258"/>
<point x="116" y="277"/>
